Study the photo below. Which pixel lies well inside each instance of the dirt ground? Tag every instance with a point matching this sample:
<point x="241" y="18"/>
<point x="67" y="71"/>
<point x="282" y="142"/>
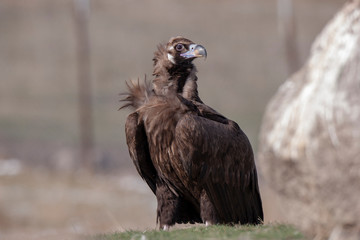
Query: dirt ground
<point x="38" y="204"/>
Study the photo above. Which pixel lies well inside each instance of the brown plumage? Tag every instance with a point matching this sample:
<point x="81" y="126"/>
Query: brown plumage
<point x="199" y="164"/>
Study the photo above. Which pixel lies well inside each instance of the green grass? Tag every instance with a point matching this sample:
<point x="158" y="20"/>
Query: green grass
<point x="247" y="232"/>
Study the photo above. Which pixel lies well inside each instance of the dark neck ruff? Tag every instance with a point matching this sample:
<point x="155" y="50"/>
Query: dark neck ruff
<point x="179" y="74"/>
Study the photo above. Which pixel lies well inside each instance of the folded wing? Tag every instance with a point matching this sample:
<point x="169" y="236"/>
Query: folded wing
<point x="139" y="150"/>
<point x="216" y="153"/>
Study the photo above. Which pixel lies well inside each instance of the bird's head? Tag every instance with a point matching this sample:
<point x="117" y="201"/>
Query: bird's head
<point x="180" y="50"/>
<point x="173" y="67"/>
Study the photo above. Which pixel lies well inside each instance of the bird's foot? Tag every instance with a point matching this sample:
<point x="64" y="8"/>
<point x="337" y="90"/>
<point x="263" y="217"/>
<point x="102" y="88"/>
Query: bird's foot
<point x="208" y="223"/>
<point x="165" y="228"/>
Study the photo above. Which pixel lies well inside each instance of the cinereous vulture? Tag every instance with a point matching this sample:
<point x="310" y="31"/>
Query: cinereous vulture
<point x="199" y="164"/>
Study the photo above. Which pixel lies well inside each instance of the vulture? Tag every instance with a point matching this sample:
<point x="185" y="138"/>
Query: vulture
<point x="199" y="164"/>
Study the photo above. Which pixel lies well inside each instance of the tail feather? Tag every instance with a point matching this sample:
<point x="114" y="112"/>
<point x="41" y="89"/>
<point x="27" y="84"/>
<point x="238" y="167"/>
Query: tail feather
<point x="138" y="94"/>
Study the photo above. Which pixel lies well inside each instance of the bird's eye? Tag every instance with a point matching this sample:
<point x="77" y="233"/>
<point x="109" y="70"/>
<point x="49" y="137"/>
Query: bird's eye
<point x="179" y="47"/>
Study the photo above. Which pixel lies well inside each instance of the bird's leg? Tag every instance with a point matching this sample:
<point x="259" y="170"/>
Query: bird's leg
<point x="167" y="209"/>
<point x="207" y="210"/>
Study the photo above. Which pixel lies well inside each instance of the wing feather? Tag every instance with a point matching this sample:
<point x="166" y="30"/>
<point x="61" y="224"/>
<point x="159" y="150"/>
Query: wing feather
<point x="139" y="150"/>
<point x="218" y="154"/>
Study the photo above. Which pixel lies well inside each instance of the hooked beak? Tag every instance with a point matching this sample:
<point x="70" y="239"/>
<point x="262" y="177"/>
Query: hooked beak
<point x="195" y="51"/>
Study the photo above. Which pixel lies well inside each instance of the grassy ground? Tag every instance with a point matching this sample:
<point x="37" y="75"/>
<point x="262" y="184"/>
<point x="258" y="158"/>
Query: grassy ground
<point x="271" y="231"/>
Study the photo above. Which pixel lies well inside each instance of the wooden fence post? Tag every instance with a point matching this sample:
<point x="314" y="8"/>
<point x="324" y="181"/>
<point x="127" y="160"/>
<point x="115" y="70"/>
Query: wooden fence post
<point x="86" y="125"/>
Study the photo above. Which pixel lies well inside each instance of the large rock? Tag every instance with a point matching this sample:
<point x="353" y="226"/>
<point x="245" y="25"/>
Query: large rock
<point x="310" y="138"/>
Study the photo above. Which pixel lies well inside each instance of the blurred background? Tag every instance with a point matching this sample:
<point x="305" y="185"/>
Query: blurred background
<point x="64" y="164"/>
